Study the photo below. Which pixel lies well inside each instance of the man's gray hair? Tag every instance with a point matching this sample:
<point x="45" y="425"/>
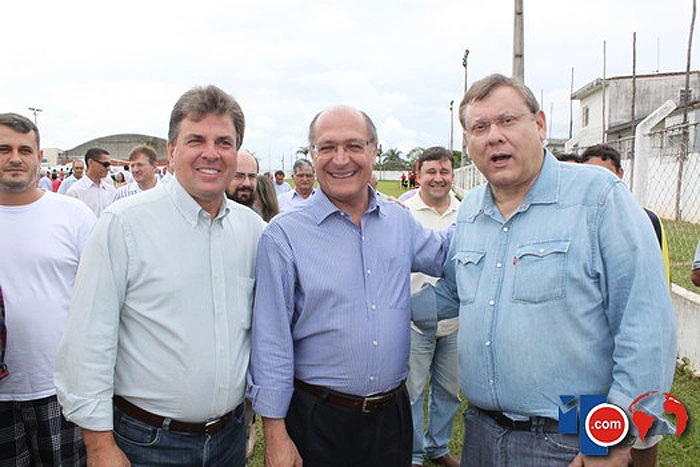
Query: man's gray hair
<point x="302" y="163"/>
<point x="371" y="129"/>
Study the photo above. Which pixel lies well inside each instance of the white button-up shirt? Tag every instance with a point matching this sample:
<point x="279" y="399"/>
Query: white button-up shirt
<point x="97" y="197"/>
<point x="162" y="310"/>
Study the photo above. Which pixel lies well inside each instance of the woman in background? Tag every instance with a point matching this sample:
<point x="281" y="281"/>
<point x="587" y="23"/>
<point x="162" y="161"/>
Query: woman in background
<point x="266" y="199"/>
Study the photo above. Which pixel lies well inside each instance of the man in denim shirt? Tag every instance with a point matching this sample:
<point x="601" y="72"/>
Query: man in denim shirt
<point x="560" y="288"/>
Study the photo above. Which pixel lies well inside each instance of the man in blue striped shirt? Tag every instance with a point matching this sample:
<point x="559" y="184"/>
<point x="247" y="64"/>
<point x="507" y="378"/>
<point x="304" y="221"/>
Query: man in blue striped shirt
<point x="331" y="328"/>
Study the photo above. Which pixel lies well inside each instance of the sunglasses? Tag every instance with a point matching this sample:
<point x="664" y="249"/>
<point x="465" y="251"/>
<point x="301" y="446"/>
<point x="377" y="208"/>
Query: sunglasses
<point x="105" y="164"/>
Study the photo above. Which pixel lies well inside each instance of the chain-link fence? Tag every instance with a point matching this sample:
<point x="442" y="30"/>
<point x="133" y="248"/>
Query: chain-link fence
<point x="672" y="177"/>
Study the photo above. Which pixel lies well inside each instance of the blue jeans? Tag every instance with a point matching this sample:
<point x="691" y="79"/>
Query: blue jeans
<point x="435" y="358"/>
<point x="490" y="445"/>
<point x="146" y="445"/>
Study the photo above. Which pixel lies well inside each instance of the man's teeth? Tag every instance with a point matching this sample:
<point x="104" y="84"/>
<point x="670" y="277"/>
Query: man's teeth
<point x="343" y="175"/>
<point x="209" y="171"/>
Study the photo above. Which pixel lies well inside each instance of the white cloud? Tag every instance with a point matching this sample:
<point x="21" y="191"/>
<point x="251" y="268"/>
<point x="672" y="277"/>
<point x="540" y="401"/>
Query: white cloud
<point x="99" y="68"/>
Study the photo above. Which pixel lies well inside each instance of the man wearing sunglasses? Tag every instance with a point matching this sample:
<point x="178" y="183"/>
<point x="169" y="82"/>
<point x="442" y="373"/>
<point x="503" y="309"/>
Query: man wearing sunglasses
<point x="92" y="189"/>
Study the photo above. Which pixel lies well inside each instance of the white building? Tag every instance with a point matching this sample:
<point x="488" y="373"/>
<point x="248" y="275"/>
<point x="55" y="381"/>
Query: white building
<point x="613" y="121"/>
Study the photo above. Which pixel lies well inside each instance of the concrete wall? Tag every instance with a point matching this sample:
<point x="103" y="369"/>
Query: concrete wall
<point x="686" y="304"/>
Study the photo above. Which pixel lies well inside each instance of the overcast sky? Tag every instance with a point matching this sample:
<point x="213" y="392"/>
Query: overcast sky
<point x="101" y="68"/>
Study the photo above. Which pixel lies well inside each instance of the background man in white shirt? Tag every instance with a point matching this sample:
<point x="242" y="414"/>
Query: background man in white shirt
<point x="143" y="161"/>
<point x="303" y="185"/>
<point x="157" y="345"/>
<point x="41" y="239"/>
<point x="78" y="171"/>
<point x="434" y="356"/>
<point x="92" y="189"/>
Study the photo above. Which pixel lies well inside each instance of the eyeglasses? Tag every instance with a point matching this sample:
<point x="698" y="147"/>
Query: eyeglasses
<point x="105" y="164"/>
<point x="242" y="176"/>
<point x="504" y="122"/>
<point x="304" y="175"/>
<point x="330" y="148"/>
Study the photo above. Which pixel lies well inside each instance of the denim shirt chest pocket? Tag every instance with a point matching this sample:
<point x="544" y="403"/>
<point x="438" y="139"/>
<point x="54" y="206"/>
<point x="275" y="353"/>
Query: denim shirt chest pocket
<point x="540" y="271"/>
<point x="468" y="265"/>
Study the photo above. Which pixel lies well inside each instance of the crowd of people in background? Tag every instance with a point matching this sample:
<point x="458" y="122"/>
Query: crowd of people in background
<point x="140" y="309"/>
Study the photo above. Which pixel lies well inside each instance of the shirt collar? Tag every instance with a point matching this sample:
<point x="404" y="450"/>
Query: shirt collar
<point x="545" y="190"/>
<point x="417" y="203"/>
<point x="320" y="207"/>
<point x="186" y="204"/>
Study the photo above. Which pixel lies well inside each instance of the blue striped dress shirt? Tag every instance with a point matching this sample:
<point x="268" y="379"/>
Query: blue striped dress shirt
<point x="332" y="300"/>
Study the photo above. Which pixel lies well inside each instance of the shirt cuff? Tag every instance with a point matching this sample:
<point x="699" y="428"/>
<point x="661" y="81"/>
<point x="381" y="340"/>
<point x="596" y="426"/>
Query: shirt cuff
<point x="88" y="413"/>
<point x="269" y="403"/>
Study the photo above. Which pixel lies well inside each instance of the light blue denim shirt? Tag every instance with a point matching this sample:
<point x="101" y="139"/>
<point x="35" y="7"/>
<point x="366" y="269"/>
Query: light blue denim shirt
<point x="567" y="296"/>
<point x="332" y="299"/>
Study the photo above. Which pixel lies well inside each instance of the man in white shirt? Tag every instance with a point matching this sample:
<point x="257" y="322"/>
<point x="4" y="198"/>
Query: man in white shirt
<point x="280" y="185"/>
<point x="78" y="170"/>
<point x="41" y="240"/>
<point x="434" y="356"/>
<point x="303" y="186"/>
<point x="143" y="161"/>
<point x="92" y="189"/>
<point x="157" y="345"/>
<point x="45" y="181"/>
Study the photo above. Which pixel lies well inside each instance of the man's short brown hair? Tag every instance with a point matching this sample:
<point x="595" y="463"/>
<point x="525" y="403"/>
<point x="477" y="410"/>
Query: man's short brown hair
<point x="484" y="87"/>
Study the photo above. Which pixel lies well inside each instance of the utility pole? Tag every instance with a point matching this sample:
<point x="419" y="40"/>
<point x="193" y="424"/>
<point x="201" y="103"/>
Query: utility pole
<point x="685" y="134"/>
<point x="519" y="43"/>
<point x="465" y="156"/>
<point x="35" y="111"/>
<point x="452" y="126"/>
<point x="571" y="104"/>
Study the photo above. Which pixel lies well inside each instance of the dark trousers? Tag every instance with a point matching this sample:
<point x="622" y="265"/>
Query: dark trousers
<point x="330" y="435"/>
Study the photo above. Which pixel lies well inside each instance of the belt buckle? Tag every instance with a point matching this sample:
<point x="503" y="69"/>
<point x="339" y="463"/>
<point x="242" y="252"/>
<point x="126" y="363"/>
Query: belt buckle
<point x="210" y="423"/>
<point x="370" y="399"/>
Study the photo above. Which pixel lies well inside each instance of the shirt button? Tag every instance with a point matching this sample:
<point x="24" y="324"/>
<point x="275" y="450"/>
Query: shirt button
<point x="371" y="378"/>
<point x="369" y="271"/>
<point x="375" y="343"/>
<point x="491" y="381"/>
<point x="487" y="343"/>
<point x="492" y="302"/>
<point x="498" y="265"/>
<point x="541" y="250"/>
<point x="374" y="307"/>
<point x="505" y="229"/>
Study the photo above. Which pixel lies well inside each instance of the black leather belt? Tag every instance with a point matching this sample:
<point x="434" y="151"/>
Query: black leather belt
<point x="208" y="427"/>
<point x="369" y="404"/>
<point x="548" y="425"/>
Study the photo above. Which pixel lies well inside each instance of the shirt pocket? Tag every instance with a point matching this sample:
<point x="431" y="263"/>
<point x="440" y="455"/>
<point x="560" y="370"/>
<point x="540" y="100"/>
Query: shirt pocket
<point x="540" y="271"/>
<point x="468" y="266"/>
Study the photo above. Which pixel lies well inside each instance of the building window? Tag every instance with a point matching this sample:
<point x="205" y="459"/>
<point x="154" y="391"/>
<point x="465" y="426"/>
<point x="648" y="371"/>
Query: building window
<point x="584" y="117"/>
